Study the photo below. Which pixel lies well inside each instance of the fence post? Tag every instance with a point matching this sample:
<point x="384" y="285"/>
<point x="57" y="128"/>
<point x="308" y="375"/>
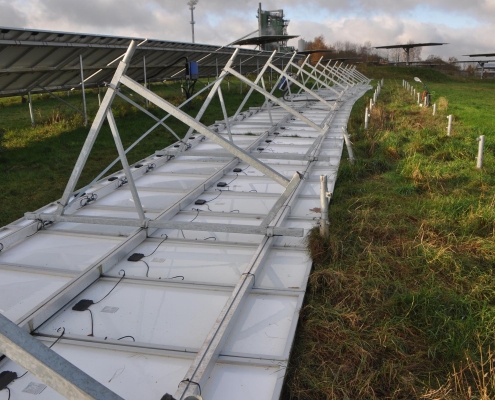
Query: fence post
<point x="324" y="195"/>
<point x="434" y="109"/>
<point x="348" y="145"/>
<point x="31" y="111"/>
<point x="481" y="144"/>
<point x="449" y="126"/>
<point x="366" y="118"/>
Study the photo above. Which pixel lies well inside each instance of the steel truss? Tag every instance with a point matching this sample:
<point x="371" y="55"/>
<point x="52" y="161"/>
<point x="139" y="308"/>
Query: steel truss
<point x="330" y="86"/>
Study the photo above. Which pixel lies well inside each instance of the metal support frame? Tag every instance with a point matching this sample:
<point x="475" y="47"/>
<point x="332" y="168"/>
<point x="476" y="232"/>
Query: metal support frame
<point x="194" y="124"/>
<point x="145" y="81"/>
<point x="85" y="111"/>
<point x="52" y="369"/>
<point x="31" y="111"/>
<point x="270" y="226"/>
<point x="63" y="101"/>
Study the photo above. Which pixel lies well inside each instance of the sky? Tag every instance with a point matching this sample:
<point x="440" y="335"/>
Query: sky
<point x="467" y="25"/>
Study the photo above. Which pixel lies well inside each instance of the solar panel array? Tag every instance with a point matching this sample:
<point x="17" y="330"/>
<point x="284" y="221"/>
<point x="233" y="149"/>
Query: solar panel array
<point x="208" y="305"/>
<point x="35" y="60"/>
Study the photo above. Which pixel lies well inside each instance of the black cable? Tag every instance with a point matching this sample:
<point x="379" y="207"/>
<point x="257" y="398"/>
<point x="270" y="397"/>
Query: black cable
<point x="8" y="398"/>
<point x="55" y="342"/>
<point x="236" y="176"/>
<point x="198" y="210"/>
<point x="208" y="201"/>
<point x="178" y="276"/>
<point x="85" y="200"/>
<point x="92" y="323"/>
<point x="166" y="237"/>
<point x="1" y="248"/>
<point x="123" y="276"/>
<point x="121" y="182"/>
<point x="128" y="336"/>
<point x="150" y="167"/>
<point x="40" y="226"/>
<point x="147" y="265"/>
<point x="188" y="380"/>
<point x="210" y="237"/>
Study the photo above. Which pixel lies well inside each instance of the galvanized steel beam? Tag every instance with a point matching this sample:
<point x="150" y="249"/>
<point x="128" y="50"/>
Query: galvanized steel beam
<point x="199" y="127"/>
<point x="188" y="226"/>
<point x="50" y="368"/>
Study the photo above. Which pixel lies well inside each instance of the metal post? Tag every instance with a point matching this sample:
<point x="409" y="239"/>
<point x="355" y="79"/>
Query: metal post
<point x="31" y="113"/>
<point x="95" y="128"/>
<point x="145" y="80"/>
<point x="348" y="145"/>
<point x="240" y="70"/>
<point x="418" y="98"/>
<point x="434" y="109"/>
<point x="125" y="164"/>
<point x="324" y="225"/>
<point x="371" y="105"/>
<point x="216" y="65"/>
<point x="449" y="127"/>
<point x="191" y="5"/>
<point x="481" y="144"/>
<point x="83" y="91"/>
<point x="366" y="118"/>
<point x="50" y="368"/>
<point x="99" y="96"/>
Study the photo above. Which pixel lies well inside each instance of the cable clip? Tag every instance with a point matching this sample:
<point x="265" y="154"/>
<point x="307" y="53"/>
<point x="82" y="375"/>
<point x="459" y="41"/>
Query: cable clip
<point x="254" y="276"/>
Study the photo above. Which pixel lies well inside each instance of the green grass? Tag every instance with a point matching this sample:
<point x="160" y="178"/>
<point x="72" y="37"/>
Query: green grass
<point x="401" y="301"/>
<point x="35" y="163"/>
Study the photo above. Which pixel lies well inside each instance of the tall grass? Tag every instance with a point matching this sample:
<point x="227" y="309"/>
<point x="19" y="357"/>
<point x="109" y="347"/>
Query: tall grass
<point x="401" y="301"/>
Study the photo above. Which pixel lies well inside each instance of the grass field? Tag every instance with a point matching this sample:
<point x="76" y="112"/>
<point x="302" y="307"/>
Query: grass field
<point x="400" y="303"/>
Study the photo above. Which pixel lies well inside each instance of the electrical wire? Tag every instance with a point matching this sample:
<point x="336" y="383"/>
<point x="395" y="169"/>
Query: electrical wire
<point x="40" y="226"/>
<point x="123" y="276"/>
<point x="128" y="336"/>
<point x="92" y="322"/>
<point x="209" y="201"/>
<point x="147" y="266"/>
<point x="87" y="199"/>
<point x="60" y="337"/>
<point x="166" y="237"/>
<point x="121" y="182"/>
<point x="150" y="167"/>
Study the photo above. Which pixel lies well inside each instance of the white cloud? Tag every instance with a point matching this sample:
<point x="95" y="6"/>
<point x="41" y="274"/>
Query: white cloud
<point x="382" y="21"/>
